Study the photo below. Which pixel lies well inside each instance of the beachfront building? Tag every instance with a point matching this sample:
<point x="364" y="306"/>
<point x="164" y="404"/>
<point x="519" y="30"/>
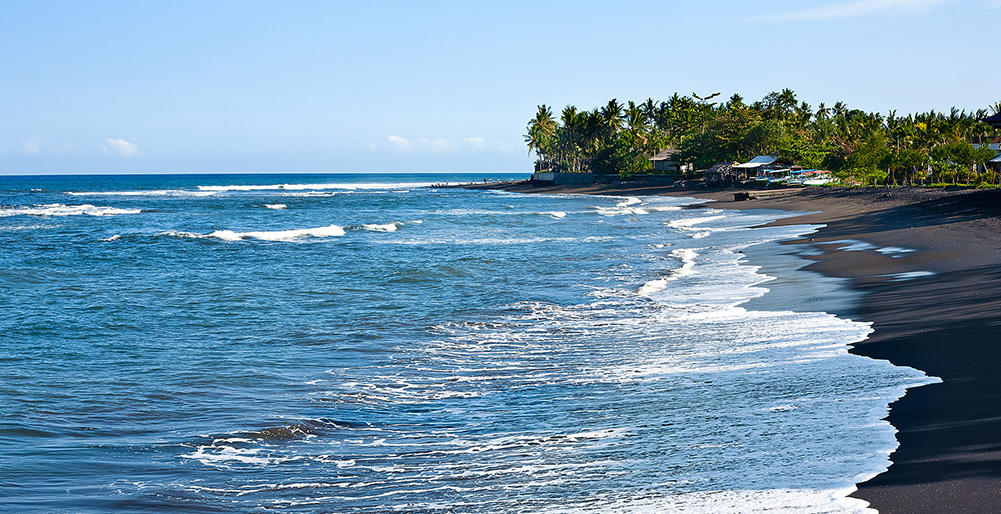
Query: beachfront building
<point x="666" y="161"/>
<point x="720" y="174"/>
<point x="749" y="170"/>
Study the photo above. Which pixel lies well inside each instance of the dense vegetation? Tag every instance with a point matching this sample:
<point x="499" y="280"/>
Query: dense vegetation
<point x="860" y="147"/>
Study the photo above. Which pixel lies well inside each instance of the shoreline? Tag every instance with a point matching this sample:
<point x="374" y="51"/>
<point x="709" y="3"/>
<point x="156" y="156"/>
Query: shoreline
<point x="926" y="264"/>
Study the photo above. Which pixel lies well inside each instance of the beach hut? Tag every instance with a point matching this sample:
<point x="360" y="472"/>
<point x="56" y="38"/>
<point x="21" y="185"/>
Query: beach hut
<point x="667" y="161"/>
<point x="750" y="168"/>
<point x="720" y="174"/>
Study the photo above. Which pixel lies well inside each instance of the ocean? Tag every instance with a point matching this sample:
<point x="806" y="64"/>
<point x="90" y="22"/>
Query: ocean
<point x="357" y="343"/>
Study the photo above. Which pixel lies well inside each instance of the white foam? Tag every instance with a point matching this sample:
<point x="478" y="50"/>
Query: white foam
<point x="687" y="256"/>
<point x="314" y="187"/>
<point x="386" y="227"/>
<point x="556" y="214"/>
<point x="157" y="192"/>
<point x="275" y="235"/>
<point x="850" y="245"/>
<point x="690" y="223"/>
<point x="57" y="209"/>
<point x="894" y="251"/>
<point x="908" y="275"/>
<point x="216" y="455"/>
<point x="276" y="206"/>
<point x="782" y="500"/>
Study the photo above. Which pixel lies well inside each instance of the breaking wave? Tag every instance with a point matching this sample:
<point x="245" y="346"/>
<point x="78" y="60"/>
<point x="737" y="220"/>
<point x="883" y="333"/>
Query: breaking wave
<point x="273" y="235"/>
<point x="57" y="209"/>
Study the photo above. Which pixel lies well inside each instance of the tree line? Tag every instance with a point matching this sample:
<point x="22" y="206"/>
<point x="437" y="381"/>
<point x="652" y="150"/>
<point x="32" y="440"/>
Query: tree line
<point x="859" y="147"/>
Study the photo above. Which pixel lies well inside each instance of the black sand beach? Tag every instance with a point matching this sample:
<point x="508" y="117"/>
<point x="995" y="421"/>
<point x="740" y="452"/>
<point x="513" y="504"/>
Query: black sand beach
<point x="944" y="320"/>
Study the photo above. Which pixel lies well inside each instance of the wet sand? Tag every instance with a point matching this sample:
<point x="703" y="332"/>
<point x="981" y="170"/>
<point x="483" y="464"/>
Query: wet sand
<point x="931" y="284"/>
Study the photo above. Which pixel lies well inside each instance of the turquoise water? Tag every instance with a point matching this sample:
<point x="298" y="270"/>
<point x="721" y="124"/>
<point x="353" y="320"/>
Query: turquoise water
<point x="367" y="343"/>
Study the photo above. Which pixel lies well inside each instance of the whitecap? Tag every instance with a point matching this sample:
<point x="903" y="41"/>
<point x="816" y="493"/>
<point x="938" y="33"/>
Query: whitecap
<point x="57" y="209"/>
<point x="276" y="206"/>
<point x="387" y="227"/>
<point x="274" y="235"/>
<point x="314" y="187"/>
<point x="152" y="192"/>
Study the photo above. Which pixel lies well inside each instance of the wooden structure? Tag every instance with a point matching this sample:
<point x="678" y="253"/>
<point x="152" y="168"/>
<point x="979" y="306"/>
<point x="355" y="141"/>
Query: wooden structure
<point x="667" y="161"/>
<point x="750" y="169"/>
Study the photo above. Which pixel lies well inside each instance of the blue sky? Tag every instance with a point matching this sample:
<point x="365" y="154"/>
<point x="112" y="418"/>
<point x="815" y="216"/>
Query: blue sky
<point x="326" y="86"/>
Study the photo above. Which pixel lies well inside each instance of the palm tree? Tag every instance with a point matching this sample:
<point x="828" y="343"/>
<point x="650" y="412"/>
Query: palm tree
<point x="540" y="133"/>
<point x="611" y="117"/>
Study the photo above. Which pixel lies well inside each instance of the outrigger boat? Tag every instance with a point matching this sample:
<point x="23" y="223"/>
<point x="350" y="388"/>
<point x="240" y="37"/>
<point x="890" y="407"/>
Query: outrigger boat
<point x="810" y="177"/>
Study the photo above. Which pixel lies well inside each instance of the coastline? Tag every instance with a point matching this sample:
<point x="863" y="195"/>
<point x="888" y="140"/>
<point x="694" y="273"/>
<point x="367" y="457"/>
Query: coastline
<point x="927" y="267"/>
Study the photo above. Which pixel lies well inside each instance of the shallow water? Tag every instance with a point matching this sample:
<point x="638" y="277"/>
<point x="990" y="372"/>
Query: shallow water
<point x="360" y="343"/>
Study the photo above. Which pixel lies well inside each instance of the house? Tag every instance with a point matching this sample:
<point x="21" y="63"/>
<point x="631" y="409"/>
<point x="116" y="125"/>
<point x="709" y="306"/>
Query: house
<point x="667" y="161"/>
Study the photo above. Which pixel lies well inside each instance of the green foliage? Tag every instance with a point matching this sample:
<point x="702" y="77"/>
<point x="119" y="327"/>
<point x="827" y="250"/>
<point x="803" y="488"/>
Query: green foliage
<point x="619" y="157"/>
<point x="860" y="147"/>
<point x="765" y="137"/>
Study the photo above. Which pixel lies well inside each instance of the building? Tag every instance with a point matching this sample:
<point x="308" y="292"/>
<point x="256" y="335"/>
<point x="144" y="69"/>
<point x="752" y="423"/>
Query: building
<point x="994" y="121"/>
<point x="666" y="161"/>
<point x="750" y="169"/>
<point x="995" y="163"/>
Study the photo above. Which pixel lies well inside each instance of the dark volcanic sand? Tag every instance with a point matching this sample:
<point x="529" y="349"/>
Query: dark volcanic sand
<point x="947" y="324"/>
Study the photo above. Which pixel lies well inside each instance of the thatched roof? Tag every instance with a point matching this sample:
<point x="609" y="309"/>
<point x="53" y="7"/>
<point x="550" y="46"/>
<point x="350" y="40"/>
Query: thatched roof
<point x="994" y="121"/>
<point x="666" y="155"/>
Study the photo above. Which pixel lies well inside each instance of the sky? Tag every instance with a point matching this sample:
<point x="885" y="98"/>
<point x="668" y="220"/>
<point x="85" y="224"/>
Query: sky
<point x="435" y="86"/>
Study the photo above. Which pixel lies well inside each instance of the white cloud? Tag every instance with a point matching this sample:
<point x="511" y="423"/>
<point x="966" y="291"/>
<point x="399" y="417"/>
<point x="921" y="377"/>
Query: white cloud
<point x="398" y="144"/>
<point x="31" y="148"/>
<point x="501" y="146"/>
<point x="853" y="8"/>
<point x="440" y="145"/>
<point x="119" y="147"/>
<point x="424" y="145"/>
<point x="477" y="144"/>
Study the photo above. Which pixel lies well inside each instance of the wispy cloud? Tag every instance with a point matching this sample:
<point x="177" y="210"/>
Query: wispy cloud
<point x="397" y="144"/>
<point x="477" y="144"/>
<point x="854" y="8"/>
<point x="119" y="147"/>
<point x="440" y="145"/>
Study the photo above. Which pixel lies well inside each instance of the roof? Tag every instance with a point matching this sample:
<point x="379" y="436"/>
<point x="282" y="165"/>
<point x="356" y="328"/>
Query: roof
<point x="757" y="162"/>
<point x="993" y="120"/>
<point x="996" y="159"/>
<point x="666" y="155"/>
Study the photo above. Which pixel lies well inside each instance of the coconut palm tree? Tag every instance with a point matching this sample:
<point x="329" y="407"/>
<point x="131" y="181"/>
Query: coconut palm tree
<point x="611" y="117"/>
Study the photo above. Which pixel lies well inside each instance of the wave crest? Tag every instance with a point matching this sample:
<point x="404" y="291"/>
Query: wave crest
<point x="58" y="209"/>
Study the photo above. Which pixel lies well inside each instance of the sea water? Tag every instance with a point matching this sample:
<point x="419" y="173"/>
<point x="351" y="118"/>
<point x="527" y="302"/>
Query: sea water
<point x="370" y="343"/>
